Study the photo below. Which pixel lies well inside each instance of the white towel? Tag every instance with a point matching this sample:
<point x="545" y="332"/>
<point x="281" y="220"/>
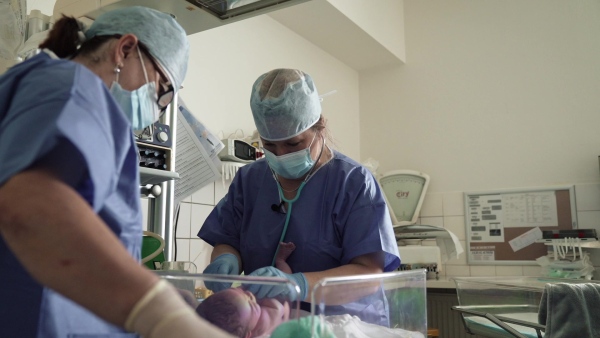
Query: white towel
<point x="571" y="310"/>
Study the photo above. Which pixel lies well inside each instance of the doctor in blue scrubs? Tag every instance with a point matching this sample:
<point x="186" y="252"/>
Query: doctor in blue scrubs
<point x="303" y="192"/>
<point x="70" y="217"/>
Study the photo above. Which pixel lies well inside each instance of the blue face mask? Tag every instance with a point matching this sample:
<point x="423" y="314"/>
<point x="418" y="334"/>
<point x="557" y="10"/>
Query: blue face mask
<point x="292" y="165"/>
<point x="139" y="105"/>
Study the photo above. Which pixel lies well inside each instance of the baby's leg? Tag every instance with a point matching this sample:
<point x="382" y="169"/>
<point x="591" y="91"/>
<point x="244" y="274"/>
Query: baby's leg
<point x="285" y="250"/>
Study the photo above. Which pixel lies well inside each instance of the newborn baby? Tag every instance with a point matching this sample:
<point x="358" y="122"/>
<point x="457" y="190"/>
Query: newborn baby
<point x="238" y="312"/>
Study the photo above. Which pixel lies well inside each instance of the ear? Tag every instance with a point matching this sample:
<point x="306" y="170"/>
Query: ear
<point x="125" y="47"/>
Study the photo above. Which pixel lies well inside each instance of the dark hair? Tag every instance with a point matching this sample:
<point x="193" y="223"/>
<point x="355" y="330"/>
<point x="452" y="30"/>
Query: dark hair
<point x="64" y="40"/>
<point x="320" y="127"/>
<point x="219" y="311"/>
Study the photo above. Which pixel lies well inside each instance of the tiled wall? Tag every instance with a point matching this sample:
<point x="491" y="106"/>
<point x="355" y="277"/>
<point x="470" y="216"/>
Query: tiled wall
<point x="194" y="210"/>
<point x="439" y="209"/>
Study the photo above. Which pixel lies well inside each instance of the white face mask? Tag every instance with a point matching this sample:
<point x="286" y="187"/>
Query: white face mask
<point x="139" y="105"/>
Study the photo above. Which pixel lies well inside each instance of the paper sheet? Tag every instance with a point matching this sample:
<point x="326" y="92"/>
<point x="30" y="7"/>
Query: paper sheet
<point x="526" y="239"/>
<point x="532" y="209"/>
<point x="195" y="165"/>
<point x="211" y="143"/>
<point x="450" y="246"/>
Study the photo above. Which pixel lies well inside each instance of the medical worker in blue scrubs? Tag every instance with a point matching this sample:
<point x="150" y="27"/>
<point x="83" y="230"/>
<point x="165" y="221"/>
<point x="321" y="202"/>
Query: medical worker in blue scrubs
<point x="70" y="217"/>
<point x="303" y="192"/>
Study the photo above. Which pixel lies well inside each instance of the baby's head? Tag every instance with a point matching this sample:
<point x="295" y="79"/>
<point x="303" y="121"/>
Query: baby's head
<point x="238" y="312"/>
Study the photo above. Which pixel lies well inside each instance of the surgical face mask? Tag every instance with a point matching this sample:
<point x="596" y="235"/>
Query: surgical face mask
<point x="138" y="105"/>
<point x="292" y="165"/>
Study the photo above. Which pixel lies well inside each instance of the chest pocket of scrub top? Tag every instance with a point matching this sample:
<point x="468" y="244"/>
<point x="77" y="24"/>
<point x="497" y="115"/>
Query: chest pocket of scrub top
<point x="318" y="241"/>
<point x="318" y="245"/>
<point x="258" y="246"/>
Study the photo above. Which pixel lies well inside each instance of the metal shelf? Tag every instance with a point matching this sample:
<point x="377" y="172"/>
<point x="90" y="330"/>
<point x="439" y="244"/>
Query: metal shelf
<point x="156" y="176"/>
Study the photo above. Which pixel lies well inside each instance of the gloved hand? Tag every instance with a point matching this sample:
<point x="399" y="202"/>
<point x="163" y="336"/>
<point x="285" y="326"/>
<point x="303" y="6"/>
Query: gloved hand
<point x="163" y="313"/>
<point x="270" y="291"/>
<point x="225" y="264"/>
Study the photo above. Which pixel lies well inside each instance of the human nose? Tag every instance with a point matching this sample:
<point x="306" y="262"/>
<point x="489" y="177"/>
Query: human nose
<point x="278" y="152"/>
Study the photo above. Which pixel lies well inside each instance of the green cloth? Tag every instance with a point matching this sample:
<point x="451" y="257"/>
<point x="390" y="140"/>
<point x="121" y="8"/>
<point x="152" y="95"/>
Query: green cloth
<point x="301" y="328"/>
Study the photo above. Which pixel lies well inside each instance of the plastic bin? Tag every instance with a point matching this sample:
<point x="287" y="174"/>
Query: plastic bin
<point x="503" y="306"/>
<point x="195" y="289"/>
<point x="403" y="295"/>
<point x="390" y="304"/>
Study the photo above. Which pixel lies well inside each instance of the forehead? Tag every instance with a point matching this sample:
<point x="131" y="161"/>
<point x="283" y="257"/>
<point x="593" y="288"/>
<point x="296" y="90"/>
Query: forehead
<point x="231" y="293"/>
<point x="308" y="134"/>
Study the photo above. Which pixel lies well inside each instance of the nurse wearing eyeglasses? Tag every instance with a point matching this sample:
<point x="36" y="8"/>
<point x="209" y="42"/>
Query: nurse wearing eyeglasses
<point x="70" y="216"/>
<point x="303" y="192"/>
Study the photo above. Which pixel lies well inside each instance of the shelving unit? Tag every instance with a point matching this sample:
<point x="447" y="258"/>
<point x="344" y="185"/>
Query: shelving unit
<point x="161" y="208"/>
<point x="586" y="243"/>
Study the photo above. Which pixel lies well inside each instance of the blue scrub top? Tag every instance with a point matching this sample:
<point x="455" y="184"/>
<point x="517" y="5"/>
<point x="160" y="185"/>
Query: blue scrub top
<point x="60" y="113"/>
<point x="341" y="214"/>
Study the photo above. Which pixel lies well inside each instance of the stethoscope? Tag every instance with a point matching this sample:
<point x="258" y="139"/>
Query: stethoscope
<point x="288" y="214"/>
<point x="290" y="202"/>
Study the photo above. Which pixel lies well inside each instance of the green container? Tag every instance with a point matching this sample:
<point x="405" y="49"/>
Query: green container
<point x="149" y="246"/>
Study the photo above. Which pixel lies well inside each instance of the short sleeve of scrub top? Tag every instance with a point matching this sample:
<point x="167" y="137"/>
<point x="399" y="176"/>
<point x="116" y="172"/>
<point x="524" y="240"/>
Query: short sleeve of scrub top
<point x="51" y="108"/>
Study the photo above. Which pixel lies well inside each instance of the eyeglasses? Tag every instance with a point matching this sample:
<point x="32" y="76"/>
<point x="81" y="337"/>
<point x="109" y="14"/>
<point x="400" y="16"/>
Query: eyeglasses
<point x="166" y="91"/>
<point x="165" y="96"/>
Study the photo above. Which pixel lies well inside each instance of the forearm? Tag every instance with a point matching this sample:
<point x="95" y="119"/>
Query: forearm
<point x="64" y="245"/>
<point x="344" y="270"/>
<point x="362" y="265"/>
<point x="220" y="249"/>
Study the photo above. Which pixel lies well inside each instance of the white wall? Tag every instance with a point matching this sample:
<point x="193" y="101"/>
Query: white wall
<point x="225" y="62"/>
<point x="494" y="94"/>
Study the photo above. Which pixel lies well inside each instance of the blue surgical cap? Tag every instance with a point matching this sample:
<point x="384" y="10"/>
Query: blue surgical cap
<point x="164" y="38"/>
<point x="284" y="103"/>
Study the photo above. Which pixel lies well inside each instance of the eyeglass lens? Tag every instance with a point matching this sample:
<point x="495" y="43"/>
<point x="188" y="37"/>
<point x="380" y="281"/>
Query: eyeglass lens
<point x="165" y="98"/>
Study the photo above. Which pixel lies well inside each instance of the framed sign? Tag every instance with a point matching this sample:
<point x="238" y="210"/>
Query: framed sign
<point x="502" y="226"/>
